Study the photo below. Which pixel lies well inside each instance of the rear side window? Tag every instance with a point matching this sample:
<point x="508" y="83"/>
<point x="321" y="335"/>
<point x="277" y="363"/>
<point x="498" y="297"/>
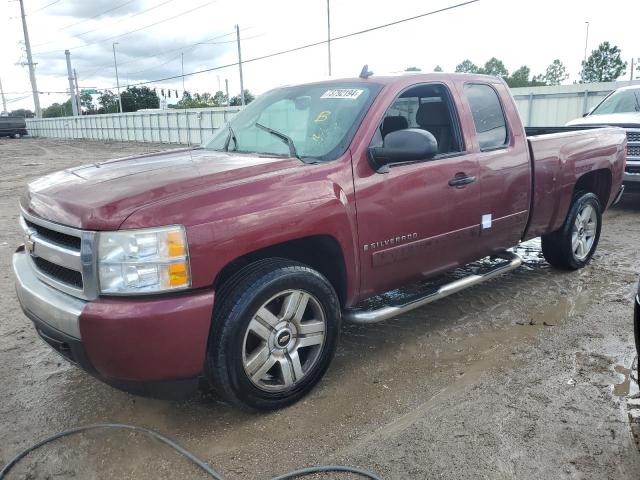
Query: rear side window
<point x="488" y="117"/>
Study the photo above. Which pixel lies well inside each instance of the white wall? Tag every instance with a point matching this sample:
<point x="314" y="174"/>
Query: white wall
<point x="555" y="106"/>
<point x="165" y="126"/>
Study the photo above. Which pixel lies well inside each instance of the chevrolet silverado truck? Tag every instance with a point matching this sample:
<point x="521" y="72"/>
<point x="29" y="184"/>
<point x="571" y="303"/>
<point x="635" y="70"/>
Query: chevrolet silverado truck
<point x="233" y="265"/>
<point x="621" y="108"/>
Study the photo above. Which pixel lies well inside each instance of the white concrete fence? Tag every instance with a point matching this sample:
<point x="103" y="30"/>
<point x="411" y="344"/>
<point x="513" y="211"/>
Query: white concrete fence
<point x="538" y="107"/>
<point x="163" y="126"/>
<point x="555" y="106"/>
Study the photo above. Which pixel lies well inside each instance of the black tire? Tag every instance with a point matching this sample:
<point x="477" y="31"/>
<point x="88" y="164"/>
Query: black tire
<point x="557" y="247"/>
<point x="236" y="305"/>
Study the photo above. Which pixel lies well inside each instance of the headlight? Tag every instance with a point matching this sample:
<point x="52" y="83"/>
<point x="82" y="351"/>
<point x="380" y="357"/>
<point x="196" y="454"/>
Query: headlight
<point x="143" y="261"/>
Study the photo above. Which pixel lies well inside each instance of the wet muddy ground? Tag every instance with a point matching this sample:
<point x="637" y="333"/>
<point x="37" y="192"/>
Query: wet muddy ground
<point x="527" y="376"/>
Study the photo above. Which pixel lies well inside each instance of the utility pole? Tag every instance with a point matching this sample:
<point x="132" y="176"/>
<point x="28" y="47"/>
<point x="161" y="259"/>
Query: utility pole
<point x="75" y="79"/>
<point x="226" y="86"/>
<point x="240" y="65"/>
<point x="633" y="66"/>
<point x="115" y="64"/>
<point x="4" y="101"/>
<point x="329" y="35"/>
<point x="72" y="88"/>
<point x="32" y="70"/>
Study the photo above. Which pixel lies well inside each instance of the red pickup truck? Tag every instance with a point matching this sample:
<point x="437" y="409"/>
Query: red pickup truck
<point x="235" y="263"/>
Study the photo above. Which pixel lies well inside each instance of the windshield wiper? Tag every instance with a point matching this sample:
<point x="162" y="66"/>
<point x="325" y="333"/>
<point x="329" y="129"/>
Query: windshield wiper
<point x="285" y="138"/>
<point x="231" y="136"/>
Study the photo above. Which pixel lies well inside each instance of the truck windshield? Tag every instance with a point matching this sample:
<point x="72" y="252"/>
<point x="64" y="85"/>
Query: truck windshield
<point x="313" y="122"/>
<point x="622" y="101"/>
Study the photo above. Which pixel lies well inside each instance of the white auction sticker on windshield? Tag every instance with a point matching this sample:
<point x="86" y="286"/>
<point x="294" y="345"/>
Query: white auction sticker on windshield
<point x="349" y="93"/>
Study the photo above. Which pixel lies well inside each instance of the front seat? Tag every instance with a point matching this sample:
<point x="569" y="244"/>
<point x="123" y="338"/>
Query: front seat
<point x="434" y="118"/>
<point x="393" y="123"/>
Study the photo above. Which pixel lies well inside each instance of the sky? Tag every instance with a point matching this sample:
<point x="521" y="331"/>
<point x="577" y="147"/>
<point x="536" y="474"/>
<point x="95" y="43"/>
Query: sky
<point x="153" y="36"/>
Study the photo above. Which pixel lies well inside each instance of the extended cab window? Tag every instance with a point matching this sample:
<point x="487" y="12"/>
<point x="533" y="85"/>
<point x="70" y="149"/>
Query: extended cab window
<point x="488" y="117"/>
<point x="427" y="107"/>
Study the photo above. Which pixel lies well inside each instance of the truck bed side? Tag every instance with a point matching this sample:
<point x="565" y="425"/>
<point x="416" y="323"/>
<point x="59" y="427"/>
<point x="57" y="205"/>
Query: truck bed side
<point x="565" y="162"/>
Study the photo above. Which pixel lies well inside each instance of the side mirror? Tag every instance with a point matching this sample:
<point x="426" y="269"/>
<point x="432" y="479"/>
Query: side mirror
<point x="406" y="145"/>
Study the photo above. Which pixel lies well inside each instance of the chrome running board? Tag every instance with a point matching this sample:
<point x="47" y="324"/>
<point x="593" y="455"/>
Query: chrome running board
<point x="387" y="312"/>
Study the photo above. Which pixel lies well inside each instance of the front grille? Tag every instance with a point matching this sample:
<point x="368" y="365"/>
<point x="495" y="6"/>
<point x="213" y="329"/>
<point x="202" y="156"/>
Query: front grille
<point x="633" y="150"/>
<point x="58" y="272"/>
<point x="633" y="136"/>
<point x="61" y="256"/>
<point x="58" y="238"/>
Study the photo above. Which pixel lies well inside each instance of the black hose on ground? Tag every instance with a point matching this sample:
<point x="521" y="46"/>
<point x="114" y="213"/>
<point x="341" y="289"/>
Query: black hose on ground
<point x="204" y="466"/>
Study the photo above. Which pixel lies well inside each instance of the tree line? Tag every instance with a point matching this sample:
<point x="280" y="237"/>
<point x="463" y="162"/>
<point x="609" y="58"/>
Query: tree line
<point x="605" y="64"/>
<point x="138" y="98"/>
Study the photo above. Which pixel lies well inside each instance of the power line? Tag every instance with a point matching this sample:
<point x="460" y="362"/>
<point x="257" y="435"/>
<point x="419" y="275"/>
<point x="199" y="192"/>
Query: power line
<point x="132" y="31"/>
<point x="202" y="42"/>
<point x="194" y="46"/>
<point x="104" y="26"/>
<point x="96" y="16"/>
<point x="42" y="8"/>
<point x="309" y="45"/>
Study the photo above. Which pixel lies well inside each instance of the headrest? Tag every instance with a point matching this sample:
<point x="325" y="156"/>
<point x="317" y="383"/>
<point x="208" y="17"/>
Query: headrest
<point x="432" y="114"/>
<point x="393" y="123"/>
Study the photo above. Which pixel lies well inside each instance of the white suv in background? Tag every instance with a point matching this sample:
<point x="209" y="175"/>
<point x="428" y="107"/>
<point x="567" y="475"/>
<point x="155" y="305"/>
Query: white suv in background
<point x="621" y="108"/>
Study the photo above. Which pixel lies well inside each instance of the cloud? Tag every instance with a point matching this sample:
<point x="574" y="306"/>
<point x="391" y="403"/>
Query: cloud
<point x="82" y="9"/>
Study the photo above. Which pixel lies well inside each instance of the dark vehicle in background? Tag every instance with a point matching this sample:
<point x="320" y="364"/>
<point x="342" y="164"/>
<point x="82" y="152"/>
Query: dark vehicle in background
<point x="621" y="108"/>
<point x="14" y="127"/>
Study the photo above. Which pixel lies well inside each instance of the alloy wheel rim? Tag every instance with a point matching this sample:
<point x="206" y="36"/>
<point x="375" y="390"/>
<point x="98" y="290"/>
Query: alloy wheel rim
<point x="283" y="340"/>
<point x="583" y="234"/>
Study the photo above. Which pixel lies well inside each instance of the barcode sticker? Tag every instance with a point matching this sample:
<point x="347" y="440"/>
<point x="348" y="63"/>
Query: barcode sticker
<point x="348" y="93"/>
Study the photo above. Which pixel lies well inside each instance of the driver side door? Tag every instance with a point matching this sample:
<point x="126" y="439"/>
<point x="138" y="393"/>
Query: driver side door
<point x="418" y="219"/>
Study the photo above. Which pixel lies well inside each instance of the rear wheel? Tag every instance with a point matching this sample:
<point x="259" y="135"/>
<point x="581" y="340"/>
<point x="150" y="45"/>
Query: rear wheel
<point x="574" y="244"/>
<point x="274" y="333"/>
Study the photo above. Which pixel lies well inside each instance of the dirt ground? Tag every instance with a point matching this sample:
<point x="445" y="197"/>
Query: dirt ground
<point x="524" y="377"/>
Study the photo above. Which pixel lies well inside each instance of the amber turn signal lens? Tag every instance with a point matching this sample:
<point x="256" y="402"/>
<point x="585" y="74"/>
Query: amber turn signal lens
<point x="176" y="244"/>
<point x="178" y="274"/>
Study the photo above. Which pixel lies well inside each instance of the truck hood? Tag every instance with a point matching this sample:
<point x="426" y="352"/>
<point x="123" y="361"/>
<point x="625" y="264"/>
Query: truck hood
<point x="101" y="196"/>
<point x="629" y="120"/>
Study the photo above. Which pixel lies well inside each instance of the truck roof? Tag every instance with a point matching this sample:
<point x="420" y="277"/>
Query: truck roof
<point x="408" y="77"/>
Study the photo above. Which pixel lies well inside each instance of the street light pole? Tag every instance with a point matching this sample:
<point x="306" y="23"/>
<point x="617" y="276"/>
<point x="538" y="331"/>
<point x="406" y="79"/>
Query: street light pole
<point x="75" y="81"/>
<point x="586" y="42"/>
<point x="182" y="67"/>
<point x="329" y="35"/>
<point x="115" y="64"/>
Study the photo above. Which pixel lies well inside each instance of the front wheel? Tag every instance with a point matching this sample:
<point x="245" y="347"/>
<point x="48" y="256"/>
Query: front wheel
<point x="574" y="244"/>
<point x="275" y="329"/>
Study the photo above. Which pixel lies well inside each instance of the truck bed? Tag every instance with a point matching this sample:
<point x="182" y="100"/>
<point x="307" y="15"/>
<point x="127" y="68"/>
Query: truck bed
<point x="536" y="131"/>
<point x="560" y="156"/>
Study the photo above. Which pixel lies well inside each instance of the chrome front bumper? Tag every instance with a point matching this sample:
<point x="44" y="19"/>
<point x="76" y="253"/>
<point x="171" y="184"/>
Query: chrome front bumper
<point x="58" y="310"/>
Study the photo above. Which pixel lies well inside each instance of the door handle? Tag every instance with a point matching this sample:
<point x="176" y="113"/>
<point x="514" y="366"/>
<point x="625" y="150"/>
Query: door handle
<point x="461" y="181"/>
